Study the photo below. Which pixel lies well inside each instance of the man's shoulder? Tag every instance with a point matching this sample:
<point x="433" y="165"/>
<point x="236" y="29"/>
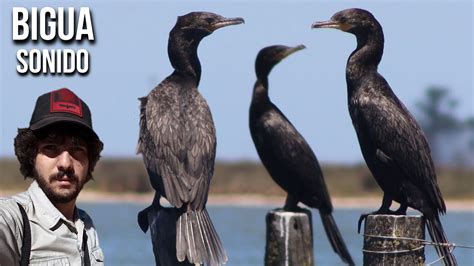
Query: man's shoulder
<point x="11" y="228"/>
<point x="6" y="203"/>
<point x="9" y="210"/>
<point x="9" y="205"/>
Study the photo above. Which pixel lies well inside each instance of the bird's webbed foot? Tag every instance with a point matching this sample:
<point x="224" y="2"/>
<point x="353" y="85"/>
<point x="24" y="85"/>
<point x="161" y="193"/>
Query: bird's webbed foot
<point x="384" y="209"/>
<point x="361" y="218"/>
<point x="379" y="211"/>
<point x="142" y="216"/>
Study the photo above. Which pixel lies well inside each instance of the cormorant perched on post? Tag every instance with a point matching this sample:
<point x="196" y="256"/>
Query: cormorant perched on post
<point x="284" y="152"/>
<point x="178" y="141"/>
<point x="392" y="143"/>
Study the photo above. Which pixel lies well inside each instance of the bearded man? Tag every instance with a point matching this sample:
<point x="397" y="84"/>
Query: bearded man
<point x="59" y="150"/>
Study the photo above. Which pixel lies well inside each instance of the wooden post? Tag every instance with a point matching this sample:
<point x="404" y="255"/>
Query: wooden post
<point x="162" y="223"/>
<point x="289" y="238"/>
<point x="386" y="240"/>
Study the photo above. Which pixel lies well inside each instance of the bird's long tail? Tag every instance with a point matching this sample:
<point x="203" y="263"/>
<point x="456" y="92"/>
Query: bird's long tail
<point x="197" y="239"/>
<point x="335" y="238"/>
<point x="437" y="235"/>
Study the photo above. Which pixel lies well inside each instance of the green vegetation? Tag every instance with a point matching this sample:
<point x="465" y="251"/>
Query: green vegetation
<point x="129" y="175"/>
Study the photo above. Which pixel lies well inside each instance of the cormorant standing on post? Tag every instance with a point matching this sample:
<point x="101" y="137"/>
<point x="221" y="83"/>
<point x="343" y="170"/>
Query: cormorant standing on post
<point x="284" y="152"/>
<point x="392" y="143"/>
<point x="178" y="141"/>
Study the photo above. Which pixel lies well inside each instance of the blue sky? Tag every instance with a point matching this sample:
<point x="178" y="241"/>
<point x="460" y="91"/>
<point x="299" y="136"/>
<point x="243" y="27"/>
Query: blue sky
<point x="426" y="44"/>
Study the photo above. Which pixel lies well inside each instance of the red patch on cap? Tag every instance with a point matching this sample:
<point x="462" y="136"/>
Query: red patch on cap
<point x="65" y="101"/>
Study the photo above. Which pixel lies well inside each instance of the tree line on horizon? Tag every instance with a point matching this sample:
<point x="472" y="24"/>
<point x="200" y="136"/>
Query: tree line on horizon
<point x="451" y="140"/>
<point x="451" y="137"/>
<point x="127" y="175"/>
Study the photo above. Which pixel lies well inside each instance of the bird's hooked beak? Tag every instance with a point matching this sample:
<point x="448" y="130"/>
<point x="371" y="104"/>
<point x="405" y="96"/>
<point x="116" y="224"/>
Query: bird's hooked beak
<point x="225" y="22"/>
<point x="331" y="24"/>
<point x="292" y="50"/>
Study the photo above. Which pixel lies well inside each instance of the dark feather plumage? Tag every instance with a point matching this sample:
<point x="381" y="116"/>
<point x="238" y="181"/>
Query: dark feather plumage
<point x="178" y="141"/>
<point x="285" y="153"/>
<point x="392" y="143"/>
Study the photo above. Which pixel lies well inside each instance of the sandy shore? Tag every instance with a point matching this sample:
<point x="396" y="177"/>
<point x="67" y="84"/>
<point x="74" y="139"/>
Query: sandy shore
<point x="248" y="200"/>
<point x="259" y="200"/>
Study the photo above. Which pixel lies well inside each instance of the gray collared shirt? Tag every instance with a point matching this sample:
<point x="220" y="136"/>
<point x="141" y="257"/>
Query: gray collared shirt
<point x="54" y="239"/>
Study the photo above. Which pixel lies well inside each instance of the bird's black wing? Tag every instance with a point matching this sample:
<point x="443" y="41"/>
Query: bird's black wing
<point x="162" y="143"/>
<point x="291" y="152"/>
<point x="178" y="143"/>
<point x="200" y="146"/>
<point x="399" y="140"/>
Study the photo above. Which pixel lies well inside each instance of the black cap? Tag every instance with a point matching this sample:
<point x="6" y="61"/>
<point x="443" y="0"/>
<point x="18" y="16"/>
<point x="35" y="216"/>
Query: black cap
<point x="61" y="106"/>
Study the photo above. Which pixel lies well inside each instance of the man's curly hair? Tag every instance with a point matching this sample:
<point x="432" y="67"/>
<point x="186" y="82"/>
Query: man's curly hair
<point x="26" y="145"/>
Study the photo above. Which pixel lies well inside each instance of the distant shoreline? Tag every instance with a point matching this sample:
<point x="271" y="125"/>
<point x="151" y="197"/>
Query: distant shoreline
<point x="244" y="200"/>
<point x="261" y="200"/>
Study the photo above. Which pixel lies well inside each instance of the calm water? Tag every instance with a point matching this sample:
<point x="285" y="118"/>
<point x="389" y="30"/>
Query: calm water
<point x="242" y="230"/>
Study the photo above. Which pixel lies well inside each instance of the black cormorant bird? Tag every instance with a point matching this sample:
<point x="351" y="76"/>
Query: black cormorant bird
<point x="392" y="143"/>
<point x="284" y="152"/>
<point x="178" y="141"/>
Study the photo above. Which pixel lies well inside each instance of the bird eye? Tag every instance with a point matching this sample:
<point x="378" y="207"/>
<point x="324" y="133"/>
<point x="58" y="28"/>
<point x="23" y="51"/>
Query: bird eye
<point x="209" y="20"/>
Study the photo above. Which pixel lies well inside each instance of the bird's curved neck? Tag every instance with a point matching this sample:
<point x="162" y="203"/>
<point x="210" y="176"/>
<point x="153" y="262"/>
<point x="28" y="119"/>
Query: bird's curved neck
<point x="366" y="57"/>
<point x="182" y="52"/>
<point x="260" y="92"/>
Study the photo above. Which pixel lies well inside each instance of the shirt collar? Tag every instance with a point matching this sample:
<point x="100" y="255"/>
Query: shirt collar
<point x="46" y="212"/>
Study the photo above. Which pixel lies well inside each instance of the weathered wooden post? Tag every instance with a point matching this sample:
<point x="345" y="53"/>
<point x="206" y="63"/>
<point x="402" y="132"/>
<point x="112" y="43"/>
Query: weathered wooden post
<point x="289" y="238"/>
<point x="388" y="240"/>
<point x="162" y="223"/>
